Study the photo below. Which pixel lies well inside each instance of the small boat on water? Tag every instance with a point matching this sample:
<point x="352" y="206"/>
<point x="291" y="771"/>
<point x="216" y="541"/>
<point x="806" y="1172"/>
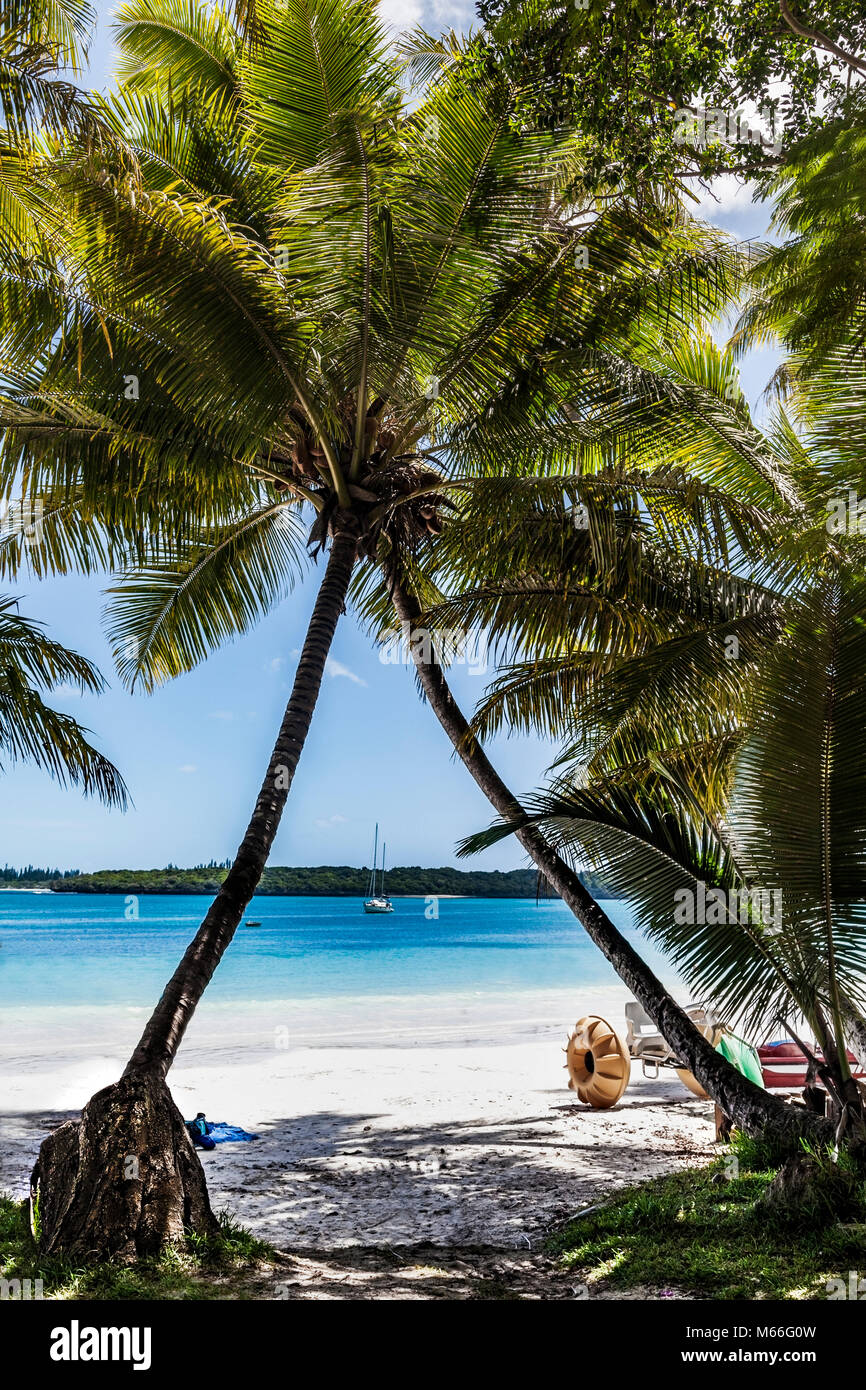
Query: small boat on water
<point x="252" y="924"/>
<point x="378" y="905"/>
<point x="378" y="901"/>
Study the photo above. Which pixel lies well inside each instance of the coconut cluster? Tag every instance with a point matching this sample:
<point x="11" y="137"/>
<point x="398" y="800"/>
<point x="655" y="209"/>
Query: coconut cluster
<point x="394" y="495"/>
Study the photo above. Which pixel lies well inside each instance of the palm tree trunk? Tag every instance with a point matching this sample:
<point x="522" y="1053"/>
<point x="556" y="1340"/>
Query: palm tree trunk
<point x="751" y="1108"/>
<point x="124" y="1180"/>
<point x="162" y="1036"/>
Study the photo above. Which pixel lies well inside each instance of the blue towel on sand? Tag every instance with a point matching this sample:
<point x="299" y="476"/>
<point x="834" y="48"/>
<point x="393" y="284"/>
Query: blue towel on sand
<point x="221" y="1133"/>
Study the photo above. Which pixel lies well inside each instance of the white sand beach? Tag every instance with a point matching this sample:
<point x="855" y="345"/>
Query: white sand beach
<point x="463" y="1135"/>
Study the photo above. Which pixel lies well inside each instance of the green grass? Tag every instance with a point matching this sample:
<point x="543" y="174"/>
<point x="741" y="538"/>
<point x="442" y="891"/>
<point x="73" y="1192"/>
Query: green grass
<point x="700" y="1233"/>
<point x="232" y="1265"/>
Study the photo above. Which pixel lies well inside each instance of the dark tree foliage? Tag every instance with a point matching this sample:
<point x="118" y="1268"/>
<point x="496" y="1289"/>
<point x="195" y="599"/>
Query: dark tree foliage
<point x="623" y="71"/>
<point x="31" y="874"/>
<point x="810" y="291"/>
<point x="325" y="881"/>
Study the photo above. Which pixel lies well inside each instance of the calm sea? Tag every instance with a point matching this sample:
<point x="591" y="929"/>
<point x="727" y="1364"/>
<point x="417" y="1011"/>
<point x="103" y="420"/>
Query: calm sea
<point x="81" y="949"/>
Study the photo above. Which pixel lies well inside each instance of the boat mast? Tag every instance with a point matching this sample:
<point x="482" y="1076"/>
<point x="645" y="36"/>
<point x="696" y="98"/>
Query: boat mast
<point x="372" y="888"/>
<point x="382" y="889"/>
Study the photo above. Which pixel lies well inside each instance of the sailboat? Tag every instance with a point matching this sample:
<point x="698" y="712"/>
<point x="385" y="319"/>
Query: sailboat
<point x="377" y="902"/>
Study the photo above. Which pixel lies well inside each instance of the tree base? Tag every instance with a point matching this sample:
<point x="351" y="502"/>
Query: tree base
<point x="810" y="1192"/>
<point x="124" y="1181"/>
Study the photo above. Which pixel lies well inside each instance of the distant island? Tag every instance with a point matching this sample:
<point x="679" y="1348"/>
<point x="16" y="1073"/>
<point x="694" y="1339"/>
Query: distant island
<point x="325" y="881"/>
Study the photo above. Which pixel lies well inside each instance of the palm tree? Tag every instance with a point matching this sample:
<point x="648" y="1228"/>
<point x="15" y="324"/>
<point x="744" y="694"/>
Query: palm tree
<point x="38" y="38"/>
<point x="751" y="1108"/>
<point x="34" y="39"/>
<point x="31" y="664"/>
<point x="744" y="776"/>
<point x="810" y="289"/>
<point x="301" y="291"/>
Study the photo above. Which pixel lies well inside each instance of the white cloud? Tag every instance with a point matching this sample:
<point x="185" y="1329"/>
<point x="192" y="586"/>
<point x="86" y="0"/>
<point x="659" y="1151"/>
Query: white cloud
<point x="225" y="714"/>
<point x="336" y="668"/>
<point x="331" y="820"/>
<point x="452" y="14"/>
<point x="276" y="664"/>
<point x="728" y="195"/>
<point x="401" y="14"/>
<point x="188" y="767"/>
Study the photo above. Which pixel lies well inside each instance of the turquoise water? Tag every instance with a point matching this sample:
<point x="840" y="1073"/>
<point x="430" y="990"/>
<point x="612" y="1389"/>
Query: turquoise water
<point x="80" y="949"/>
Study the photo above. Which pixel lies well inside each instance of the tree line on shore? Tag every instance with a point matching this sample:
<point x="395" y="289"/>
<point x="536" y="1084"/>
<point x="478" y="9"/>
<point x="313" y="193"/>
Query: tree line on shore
<point x="30" y="875"/>
<point x="322" y="881"/>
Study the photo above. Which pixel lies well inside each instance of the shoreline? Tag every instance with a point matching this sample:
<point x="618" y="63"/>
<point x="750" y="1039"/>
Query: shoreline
<point x="254" y="1027"/>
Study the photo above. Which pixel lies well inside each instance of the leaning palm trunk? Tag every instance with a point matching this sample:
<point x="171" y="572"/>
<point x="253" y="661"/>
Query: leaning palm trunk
<point x="751" y="1108"/>
<point x="125" y="1179"/>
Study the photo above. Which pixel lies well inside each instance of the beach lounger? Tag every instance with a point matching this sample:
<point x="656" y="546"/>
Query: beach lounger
<point x="646" y="1044"/>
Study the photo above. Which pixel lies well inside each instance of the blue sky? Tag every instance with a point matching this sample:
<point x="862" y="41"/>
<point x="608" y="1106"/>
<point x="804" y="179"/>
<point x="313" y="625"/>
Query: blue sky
<point x="193" y="753"/>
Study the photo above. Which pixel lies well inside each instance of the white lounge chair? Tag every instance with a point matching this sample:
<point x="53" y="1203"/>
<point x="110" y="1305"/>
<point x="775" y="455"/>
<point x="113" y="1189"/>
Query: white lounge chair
<point x="646" y="1044"/>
